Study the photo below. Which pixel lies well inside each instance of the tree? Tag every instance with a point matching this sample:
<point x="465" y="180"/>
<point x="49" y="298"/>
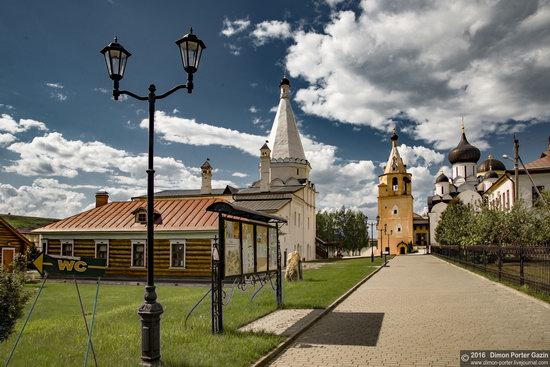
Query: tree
<point x="12" y="301"/>
<point x="455" y="224"/>
<point x="490" y="226"/>
<point x="346" y="227"/>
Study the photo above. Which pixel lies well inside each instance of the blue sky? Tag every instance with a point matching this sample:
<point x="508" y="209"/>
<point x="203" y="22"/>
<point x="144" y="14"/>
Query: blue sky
<point x="358" y="70"/>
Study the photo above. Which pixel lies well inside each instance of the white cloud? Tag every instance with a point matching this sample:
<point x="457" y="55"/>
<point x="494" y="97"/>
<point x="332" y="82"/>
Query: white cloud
<point x="44" y="198"/>
<point x="239" y="174"/>
<point x="233" y="27"/>
<point x="6" y="139"/>
<point x="233" y="49"/>
<point x="253" y="109"/>
<point x="188" y="131"/>
<point x="419" y="155"/>
<point x="274" y="109"/>
<point x="55" y="85"/>
<point x="58" y="96"/>
<point x="429" y="62"/>
<point x="101" y="90"/>
<point x="270" y="29"/>
<point x="8" y="124"/>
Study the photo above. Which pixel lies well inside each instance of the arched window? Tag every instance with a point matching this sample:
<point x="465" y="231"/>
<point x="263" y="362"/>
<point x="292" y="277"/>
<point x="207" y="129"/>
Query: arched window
<point x="394" y="184"/>
<point x="394" y="210"/>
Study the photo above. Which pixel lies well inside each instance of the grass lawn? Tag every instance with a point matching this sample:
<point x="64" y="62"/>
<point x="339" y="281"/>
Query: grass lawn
<point x="524" y="288"/>
<point x="55" y="335"/>
<point x="18" y="221"/>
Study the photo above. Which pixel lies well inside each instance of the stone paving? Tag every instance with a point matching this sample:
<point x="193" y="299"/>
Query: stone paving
<point x="421" y="311"/>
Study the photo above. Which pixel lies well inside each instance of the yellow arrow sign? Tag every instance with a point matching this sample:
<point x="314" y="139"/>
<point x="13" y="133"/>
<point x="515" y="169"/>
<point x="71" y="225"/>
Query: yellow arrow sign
<point x="39" y="263"/>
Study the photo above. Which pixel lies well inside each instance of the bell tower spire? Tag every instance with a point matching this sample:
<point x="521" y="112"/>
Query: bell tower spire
<point x="287" y="155"/>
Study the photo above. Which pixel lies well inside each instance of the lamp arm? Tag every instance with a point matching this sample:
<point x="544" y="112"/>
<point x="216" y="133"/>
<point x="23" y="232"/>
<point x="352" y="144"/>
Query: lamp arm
<point x="117" y="93"/>
<point x="178" y="87"/>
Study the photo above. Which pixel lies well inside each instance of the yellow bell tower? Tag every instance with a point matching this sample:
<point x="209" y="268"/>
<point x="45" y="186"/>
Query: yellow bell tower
<point x="395" y="204"/>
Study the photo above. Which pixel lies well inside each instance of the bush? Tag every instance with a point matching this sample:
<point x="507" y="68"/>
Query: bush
<point x="32" y="253"/>
<point x="12" y="301"/>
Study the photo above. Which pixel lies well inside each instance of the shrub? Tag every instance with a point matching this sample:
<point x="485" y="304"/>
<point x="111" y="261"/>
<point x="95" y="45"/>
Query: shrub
<point x="12" y="301"/>
<point x="32" y="253"/>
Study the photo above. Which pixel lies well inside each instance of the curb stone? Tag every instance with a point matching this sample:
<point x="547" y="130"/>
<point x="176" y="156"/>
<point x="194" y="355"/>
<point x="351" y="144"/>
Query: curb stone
<point x="268" y="358"/>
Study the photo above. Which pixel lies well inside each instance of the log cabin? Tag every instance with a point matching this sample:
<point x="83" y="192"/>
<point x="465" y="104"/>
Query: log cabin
<point x="11" y="243"/>
<point x="117" y="231"/>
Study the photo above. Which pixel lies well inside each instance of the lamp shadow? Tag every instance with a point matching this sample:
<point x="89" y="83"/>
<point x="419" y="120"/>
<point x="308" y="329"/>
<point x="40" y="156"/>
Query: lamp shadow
<point x="346" y="328"/>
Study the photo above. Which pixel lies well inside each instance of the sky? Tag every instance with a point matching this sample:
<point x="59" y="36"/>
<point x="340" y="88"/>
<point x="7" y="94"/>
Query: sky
<point x="358" y="70"/>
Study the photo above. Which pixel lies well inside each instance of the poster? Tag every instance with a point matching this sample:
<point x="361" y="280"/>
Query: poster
<point x="248" y="248"/>
<point x="272" y="249"/>
<point x="232" y="249"/>
<point x="261" y="248"/>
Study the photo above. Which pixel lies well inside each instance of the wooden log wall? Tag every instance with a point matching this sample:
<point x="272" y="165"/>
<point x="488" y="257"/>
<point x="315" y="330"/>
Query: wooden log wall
<point x="10" y="240"/>
<point x="197" y="257"/>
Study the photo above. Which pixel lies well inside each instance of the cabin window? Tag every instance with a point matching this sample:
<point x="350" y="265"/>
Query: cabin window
<point x="45" y="246"/>
<point x="102" y="250"/>
<point x="138" y="254"/>
<point x="67" y="248"/>
<point x="141" y="217"/>
<point x="177" y="254"/>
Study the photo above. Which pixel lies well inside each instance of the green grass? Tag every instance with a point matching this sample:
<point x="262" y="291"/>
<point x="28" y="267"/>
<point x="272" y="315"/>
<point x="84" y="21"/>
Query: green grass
<point x="20" y="222"/>
<point x="522" y="288"/>
<point x="56" y="335"/>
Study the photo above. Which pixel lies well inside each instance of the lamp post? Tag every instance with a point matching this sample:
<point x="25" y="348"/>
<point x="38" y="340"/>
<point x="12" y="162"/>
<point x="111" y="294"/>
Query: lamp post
<point x="372" y="238"/>
<point x="389" y="249"/>
<point x="386" y="232"/>
<point x="116" y="57"/>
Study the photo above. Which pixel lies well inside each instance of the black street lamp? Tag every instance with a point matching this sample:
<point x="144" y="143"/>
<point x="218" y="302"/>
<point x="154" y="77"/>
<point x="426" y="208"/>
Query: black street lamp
<point x="116" y="58"/>
<point x="372" y="237"/>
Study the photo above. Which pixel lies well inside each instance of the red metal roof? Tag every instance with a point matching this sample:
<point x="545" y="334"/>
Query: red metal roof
<point x="179" y="214"/>
<point x="543" y="161"/>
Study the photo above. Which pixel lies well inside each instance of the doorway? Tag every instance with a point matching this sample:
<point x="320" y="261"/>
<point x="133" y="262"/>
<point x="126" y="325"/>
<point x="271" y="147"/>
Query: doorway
<point x="7" y="258"/>
<point x="402" y="250"/>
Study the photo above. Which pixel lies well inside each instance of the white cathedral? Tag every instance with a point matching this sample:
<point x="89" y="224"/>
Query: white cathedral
<point x="468" y="182"/>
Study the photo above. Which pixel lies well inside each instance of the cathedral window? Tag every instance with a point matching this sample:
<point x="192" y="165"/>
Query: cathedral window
<point x="394" y="183"/>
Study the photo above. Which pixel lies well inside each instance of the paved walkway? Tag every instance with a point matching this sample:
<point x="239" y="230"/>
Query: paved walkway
<point x="421" y="311"/>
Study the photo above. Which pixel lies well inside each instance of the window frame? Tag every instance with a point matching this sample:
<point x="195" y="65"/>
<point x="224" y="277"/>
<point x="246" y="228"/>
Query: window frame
<point x="179" y="242"/>
<point x="63" y="242"/>
<point x="138" y="242"/>
<point x="44" y="244"/>
<point x="102" y="242"/>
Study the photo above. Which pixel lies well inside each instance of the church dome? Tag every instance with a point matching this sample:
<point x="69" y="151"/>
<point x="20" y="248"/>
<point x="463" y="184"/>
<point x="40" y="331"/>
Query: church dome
<point x="464" y="152"/>
<point x="441" y="178"/>
<point x="490" y="174"/>
<point x="490" y="164"/>
<point x="284" y="81"/>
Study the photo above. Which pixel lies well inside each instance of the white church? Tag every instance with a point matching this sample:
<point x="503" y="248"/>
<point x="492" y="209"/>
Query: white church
<point x="283" y="188"/>
<point x="488" y="181"/>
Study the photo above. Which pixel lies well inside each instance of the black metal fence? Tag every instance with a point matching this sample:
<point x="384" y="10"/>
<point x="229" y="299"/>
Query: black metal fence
<point x="518" y="265"/>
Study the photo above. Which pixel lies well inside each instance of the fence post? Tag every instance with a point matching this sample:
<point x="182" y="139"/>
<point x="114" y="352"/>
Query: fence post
<point x="499" y="263"/>
<point x="521" y="264"/>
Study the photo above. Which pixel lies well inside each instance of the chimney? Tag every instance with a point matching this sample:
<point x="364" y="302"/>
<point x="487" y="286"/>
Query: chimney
<point x="265" y="167"/>
<point x="101" y="198"/>
<point x="206" y="187"/>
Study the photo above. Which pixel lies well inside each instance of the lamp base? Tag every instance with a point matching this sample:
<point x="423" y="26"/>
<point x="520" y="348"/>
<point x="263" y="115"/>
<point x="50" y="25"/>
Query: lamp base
<point x="150" y="312"/>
